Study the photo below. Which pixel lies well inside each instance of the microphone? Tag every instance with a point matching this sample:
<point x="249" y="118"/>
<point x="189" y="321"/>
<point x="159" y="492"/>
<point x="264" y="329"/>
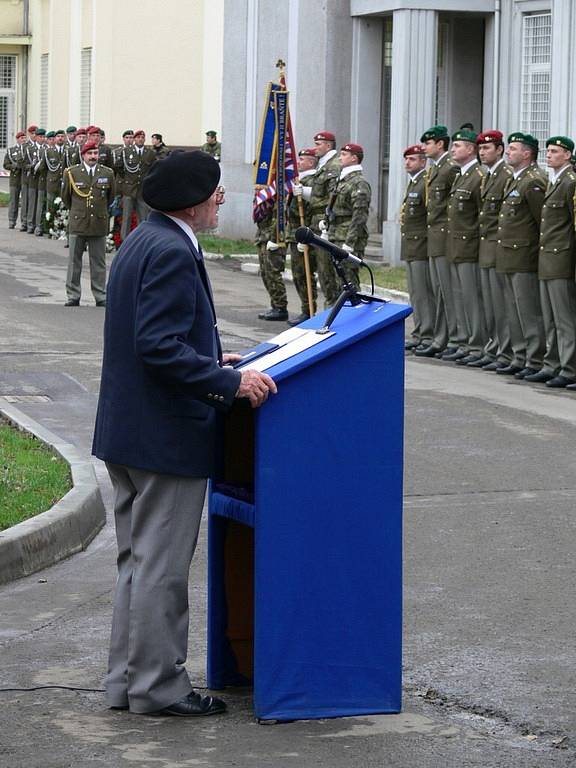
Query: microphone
<point x="306" y="236"/>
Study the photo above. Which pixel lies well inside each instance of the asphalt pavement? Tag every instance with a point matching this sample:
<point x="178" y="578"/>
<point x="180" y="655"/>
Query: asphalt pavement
<point x="490" y="491"/>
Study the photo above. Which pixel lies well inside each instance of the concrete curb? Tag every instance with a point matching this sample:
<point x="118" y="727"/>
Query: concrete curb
<point x="68" y="527"/>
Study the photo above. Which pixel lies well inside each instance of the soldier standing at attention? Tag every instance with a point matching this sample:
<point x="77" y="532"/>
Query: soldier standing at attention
<point x="464" y="237"/>
<point x="87" y="190"/>
<point x="54" y="163"/>
<point x="439" y="178"/>
<point x="41" y="173"/>
<point x="14" y="162"/>
<point x="556" y="265"/>
<point x="517" y="255"/>
<point x="272" y="260"/>
<point x="307" y="162"/>
<point x="33" y="157"/>
<point x="318" y="195"/>
<point x="71" y="136"/>
<point x="497" y="352"/>
<point x="72" y="148"/>
<point x="414" y="249"/>
<point x="212" y="146"/>
<point x="26" y="147"/>
<point x="348" y="209"/>
<point x="134" y="163"/>
<point x="159" y="147"/>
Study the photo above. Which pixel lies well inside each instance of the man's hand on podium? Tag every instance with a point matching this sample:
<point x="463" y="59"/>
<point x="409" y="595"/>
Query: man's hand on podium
<point x="256" y="387"/>
<point x="229" y="358"/>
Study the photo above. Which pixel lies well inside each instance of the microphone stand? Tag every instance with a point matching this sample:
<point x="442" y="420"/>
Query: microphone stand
<point x="349" y="293"/>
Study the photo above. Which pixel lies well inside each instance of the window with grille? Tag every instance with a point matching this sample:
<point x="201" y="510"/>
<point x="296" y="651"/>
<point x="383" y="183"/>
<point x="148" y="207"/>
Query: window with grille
<point x="43" y="116"/>
<point x="85" y="85"/>
<point x="536" y="58"/>
<point x="7" y="99"/>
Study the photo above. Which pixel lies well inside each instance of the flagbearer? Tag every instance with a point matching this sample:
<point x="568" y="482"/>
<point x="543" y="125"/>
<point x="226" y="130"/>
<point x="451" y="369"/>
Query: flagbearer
<point x="272" y="260"/>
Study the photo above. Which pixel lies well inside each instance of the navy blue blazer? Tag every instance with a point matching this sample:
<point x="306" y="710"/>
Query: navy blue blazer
<point x="162" y="384"/>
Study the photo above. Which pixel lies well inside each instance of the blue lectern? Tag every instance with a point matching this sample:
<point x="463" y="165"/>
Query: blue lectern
<point x="305" y="529"/>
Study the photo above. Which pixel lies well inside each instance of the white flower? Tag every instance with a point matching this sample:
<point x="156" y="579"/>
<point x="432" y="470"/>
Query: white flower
<point x="57" y="200"/>
<point x="48" y="215"/>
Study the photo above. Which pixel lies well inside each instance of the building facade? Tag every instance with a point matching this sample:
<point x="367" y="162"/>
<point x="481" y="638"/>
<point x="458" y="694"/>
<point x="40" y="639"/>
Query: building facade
<point x="379" y="72"/>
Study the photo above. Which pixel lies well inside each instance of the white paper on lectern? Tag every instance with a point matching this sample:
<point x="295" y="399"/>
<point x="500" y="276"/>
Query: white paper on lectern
<point x="304" y="340"/>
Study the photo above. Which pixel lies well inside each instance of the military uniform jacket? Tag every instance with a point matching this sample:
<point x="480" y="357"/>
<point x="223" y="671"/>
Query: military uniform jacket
<point x="132" y="167"/>
<point x="106" y="156"/>
<point x="292" y="210"/>
<point x="519" y="227"/>
<point x="88" y="199"/>
<point x="266" y="228"/>
<point x="557" y="242"/>
<point x="323" y="184"/>
<point x="14" y="162"/>
<point x="492" y="193"/>
<point x="53" y="164"/>
<point x="439" y="178"/>
<point x="464" y="214"/>
<point x="40" y="169"/>
<point x="413" y="221"/>
<point x="349" y="213"/>
<point x="213" y="149"/>
<point x="72" y="155"/>
<point x="32" y="157"/>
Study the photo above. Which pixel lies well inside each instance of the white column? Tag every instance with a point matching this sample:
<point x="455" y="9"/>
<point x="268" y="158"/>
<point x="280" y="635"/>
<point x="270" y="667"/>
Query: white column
<point x="414" y="46"/>
<point x="75" y="61"/>
<point x="251" y="92"/>
<point x="562" y="106"/>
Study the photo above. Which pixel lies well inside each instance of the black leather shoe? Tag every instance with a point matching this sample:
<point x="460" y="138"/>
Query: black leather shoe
<point x="194" y="705"/>
<point x="410" y="345"/>
<point x="525" y="372"/>
<point x="480" y="362"/>
<point x="559" y="382"/>
<point x="23" y="229"/>
<point x="72" y="303"/>
<point x="454" y="356"/>
<point x="509" y="370"/>
<point x="297" y="320"/>
<point x="571" y="387"/>
<point x="274" y="314"/>
<point x="101" y="303"/>
<point x="427" y="351"/>
<point x="494" y="366"/>
<point x="540" y="377"/>
<point x="468" y="359"/>
<point x="450" y="350"/>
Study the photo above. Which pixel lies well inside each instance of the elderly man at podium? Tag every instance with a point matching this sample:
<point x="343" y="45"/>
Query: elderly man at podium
<point x="164" y="378"/>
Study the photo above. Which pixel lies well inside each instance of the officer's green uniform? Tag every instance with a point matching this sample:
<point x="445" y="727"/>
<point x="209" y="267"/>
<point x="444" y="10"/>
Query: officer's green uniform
<point x="414" y="251"/>
<point x="517" y="259"/>
<point x="32" y="156"/>
<point x="41" y="173"/>
<point x="348" y="214"/>
<point x="131" y="165"/>
<point x="71" y="155"/>
<point x="52" y="166"/>
<point x="88" y="197"/>
<point x="14" y="162"/>
<point x="215" y="150"/>
<point x="464" y="239"/>
<point x="556" y="265"/>
<point x="323" y="183"/>
<point x="439" y="178"/>
<point x="498" y="347"/>
<point x="296" y="257"/>
<point x="272" y="263"/>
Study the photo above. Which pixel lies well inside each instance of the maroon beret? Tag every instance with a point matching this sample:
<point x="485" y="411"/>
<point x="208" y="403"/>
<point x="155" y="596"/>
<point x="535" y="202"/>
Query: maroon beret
<point x="354" y="149"/>
<point x="139" y="132"/>
<point x="414" y="149"/>
<point x="32" y="128"/>
<point x="490" y="137"/>
<point x="87" y="146"/>
<point x="307" y="152"/>
<point x="324" y="136"/>
<point x="20" y="134"/>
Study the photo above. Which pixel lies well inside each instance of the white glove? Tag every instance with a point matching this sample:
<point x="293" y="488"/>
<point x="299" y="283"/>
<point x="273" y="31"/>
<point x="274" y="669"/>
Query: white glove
<point x="347" y="248"/>
<point x="272" y="246"/>
<point x="324" y="235"/>
<point x="301" y="247"/>
<point x="297" y="190"/>
<point x="307" y="193"/>
<point x="322" y="226"/>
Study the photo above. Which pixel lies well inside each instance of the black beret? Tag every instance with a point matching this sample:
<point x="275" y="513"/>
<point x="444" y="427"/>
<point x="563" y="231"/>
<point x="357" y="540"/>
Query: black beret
<point x="181" y="180"/>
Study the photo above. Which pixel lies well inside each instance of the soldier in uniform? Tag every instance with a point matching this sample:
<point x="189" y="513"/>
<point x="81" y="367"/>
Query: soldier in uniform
<point x="497" y="352"/>
<point x="307" y="162"/>
<point x="318" y="195"/>
<point x="414" y="249"/>
<point x="41" y="171"/>
<point x="464" y="237"/>
<point x="212" y="146"/>
<point x="133" y="165"/>
<point x="272" y="260"/>
<point x="14" y="162"/>
<point x="159" y="147"/>
<point x="87" y="190"/>
<point x="104" y="151"/>
<point x="30" y="139"/>
<point x="71" y="135"/>
<point x="54" y="164"/>
<point x="556" y="265"/>
<point x="348" y="209"/>
<point x="517" y="255"/>
<point x="72" y="148"/>
<point x="32" y="162"/>
<point x="439" y="177"/>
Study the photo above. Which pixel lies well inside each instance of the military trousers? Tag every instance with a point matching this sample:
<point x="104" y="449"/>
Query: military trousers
<point x="24" y="204"/>
<point x="14" y="204"/>
<point x="299" y="275"/>
<point x="446" y="332"/>
<point x="130" y="204"/>
<point x="467" y="297"/>
<point x="272" y="266"/>
<point x="40" y="211"/>
<point x="498" y="345"/>
<point x="558" y="299"/>
<point x="527" y="340"/>
<point x="157" y="521"/>
<point x="330" y="283"/>
<point x="97" y="260"/>
<point x="422" y="300"/>
<point x="31" y="208"/>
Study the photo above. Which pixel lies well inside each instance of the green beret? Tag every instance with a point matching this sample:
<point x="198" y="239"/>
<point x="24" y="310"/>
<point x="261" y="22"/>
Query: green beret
<point x="437" y="132"/>
<point x="41" y="132"/>
<point x="524" y="138"/>
<point x="212" y="134"/>
<point x="50" y="134"/>
<point x="465" y="135"/>
<point x="60" y="132"/>
<point x="561" y="141"/>
<point x="71" y="129"/>
<point x="128" y="132"/>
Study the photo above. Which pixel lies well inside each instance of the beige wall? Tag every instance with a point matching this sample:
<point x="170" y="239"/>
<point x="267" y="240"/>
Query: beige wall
<point x="11" y="17"/>
<point x="153" y="67"/>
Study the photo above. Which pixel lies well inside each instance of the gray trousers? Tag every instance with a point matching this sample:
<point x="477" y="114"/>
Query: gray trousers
<point x="558" y="299"/>
<point x="527" y="340"/>
<point x="498" y="344"/>
<point x="97" y="257"/>
<point x="130" y="204"/>
<point x="40" y="211"/>
<point x="445" y="324"/>
<point x="14" y="204"/>
<point x="31" y="208"/>
<point x="467" y="299"/>
<point x="157" y="522"/>
<point x="422" y="300"/>
<point x="24" y="205"/>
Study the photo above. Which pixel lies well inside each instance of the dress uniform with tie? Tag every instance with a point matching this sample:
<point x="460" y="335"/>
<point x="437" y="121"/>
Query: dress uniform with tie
<point x="14" y="163"/>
